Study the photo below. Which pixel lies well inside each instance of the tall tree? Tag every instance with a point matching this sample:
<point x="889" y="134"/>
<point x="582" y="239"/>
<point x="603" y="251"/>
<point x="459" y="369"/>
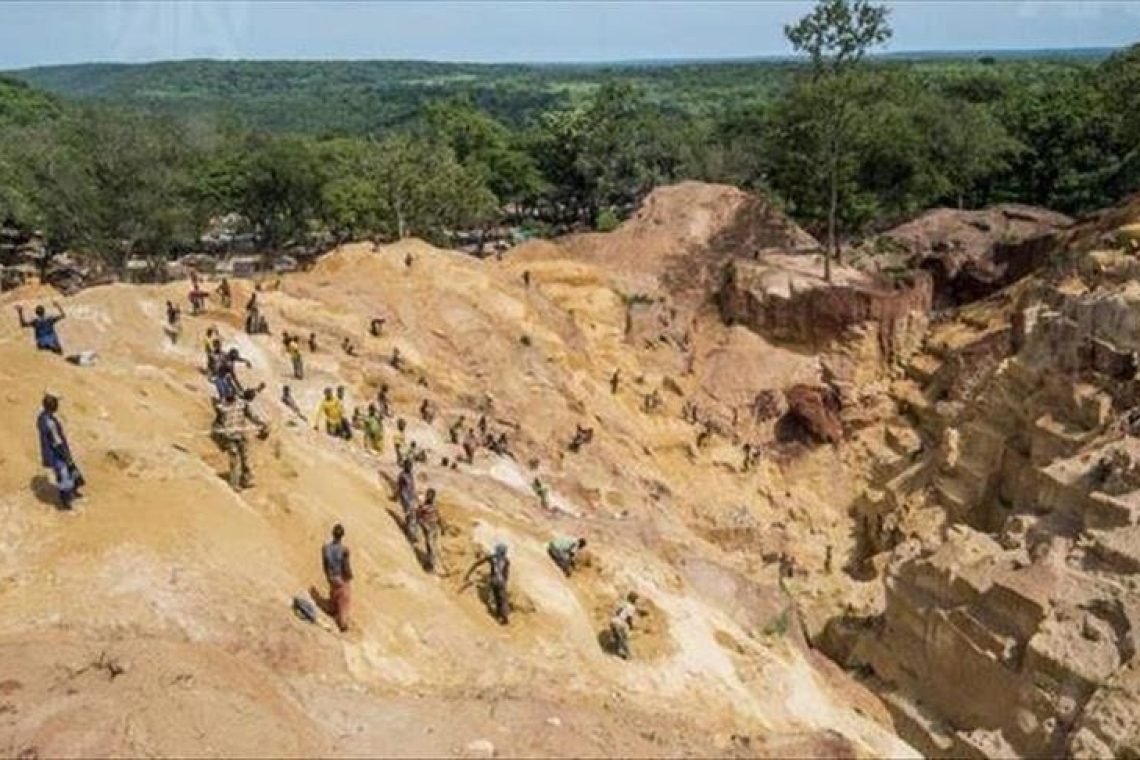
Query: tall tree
<point x="486" y="147"/>
<point x="279" y="186"/>
<point x="423" y="190"/>
<point x="836" y="35"/>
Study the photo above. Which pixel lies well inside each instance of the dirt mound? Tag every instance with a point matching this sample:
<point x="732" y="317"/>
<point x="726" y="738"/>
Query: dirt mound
<point x="682" y="235"/>
<point x="973" y="253"/>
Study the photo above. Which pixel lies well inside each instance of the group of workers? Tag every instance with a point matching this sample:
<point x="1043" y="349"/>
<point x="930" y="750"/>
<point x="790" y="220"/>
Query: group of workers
<point x="235" y="417"/>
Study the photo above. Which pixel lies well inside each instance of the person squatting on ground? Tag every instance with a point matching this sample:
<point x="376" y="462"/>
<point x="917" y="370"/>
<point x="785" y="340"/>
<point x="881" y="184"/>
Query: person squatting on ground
<point x="232" y="413"/>
<point x="338" y="572"/>
<point x="498" y="575"/>
<point x="564" y="552"/>
<point x="622" y="623"/>
<point x="43" y="327"/>
<point x="55" y="453"/>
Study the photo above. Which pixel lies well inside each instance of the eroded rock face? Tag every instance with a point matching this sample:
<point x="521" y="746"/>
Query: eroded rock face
<point x="813" y="415"/>
<point x="1012" y="627"/>
<point x="784" y="298"/>
<point x="971" y="254"/>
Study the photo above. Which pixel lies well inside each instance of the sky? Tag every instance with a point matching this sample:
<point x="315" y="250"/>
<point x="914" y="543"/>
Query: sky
<point x="50" y="32"/>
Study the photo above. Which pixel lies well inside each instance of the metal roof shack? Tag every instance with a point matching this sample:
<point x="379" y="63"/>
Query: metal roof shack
<point x="242" y="266"/>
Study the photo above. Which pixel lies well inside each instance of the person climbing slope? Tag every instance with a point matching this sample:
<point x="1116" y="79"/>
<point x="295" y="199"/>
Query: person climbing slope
<point x="338" y="572"/>
<point x="428" y="517"/>
<point x="293" y="349"/>
<point x="173" y="322"/>
<point x="55" y="453"/>
<point x="232" y="412"/>
<point x="225" y="372"/>
<point x="224" y="293"/>
<point x="345" y="431"/>
<point x="43" y="327"/>
<point x="400" y="441"/>
<point x="383" y="403"/>
<point x="406" y="495"/>
<point x="499" y="574"/>
<point x="373" y="428"/>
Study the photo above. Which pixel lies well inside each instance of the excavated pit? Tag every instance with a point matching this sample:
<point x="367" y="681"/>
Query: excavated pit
<point x="947" y="507"/>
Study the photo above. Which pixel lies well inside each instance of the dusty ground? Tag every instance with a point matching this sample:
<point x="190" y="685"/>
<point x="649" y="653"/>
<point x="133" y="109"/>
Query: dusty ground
<point x="155" y="619"/>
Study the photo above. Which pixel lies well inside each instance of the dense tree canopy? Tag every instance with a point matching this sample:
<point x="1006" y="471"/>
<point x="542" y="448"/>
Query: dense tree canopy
<point x="558" y="148"/>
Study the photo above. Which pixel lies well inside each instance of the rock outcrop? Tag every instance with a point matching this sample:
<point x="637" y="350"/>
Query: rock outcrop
<point x="784" y="298"/>
<point x="971" y="254"/>
<point x="1009" y="551"/>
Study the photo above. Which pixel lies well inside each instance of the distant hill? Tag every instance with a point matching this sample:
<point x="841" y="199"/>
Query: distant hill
<point x="366" y="96"/>
<point x="20" y="104"/>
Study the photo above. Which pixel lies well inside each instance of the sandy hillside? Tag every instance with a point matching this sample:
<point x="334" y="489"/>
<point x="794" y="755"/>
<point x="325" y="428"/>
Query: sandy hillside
<point x="156" y="620"/>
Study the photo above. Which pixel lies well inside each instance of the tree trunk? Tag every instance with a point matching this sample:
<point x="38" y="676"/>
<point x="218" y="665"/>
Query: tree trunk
<point x="832" y="210"/>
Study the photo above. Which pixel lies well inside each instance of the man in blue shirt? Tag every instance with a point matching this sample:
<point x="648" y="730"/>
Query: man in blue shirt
<point x="55" y="453"/>
<point x="338" y="572"/>
<point x="43" y="327"/>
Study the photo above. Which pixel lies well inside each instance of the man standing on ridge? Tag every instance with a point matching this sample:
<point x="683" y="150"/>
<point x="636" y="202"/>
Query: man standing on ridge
<point x="55" y="453"/>
<point x="338" y="572"/>
<point x="43" y="327"/>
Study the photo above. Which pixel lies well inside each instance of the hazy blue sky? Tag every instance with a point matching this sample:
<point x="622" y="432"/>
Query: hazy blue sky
<point x="34" y="33"/>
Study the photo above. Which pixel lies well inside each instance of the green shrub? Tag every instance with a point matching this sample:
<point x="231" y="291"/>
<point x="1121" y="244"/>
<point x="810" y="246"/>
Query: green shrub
<point x="607" y="221"/>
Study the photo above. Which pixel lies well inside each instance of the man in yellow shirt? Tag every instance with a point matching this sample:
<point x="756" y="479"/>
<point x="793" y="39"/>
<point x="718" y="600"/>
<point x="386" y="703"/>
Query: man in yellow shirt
<point x="332" y="411"/>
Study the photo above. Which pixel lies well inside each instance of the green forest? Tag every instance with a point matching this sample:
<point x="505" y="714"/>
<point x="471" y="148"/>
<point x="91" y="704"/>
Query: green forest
<point x="121" y="160"/>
